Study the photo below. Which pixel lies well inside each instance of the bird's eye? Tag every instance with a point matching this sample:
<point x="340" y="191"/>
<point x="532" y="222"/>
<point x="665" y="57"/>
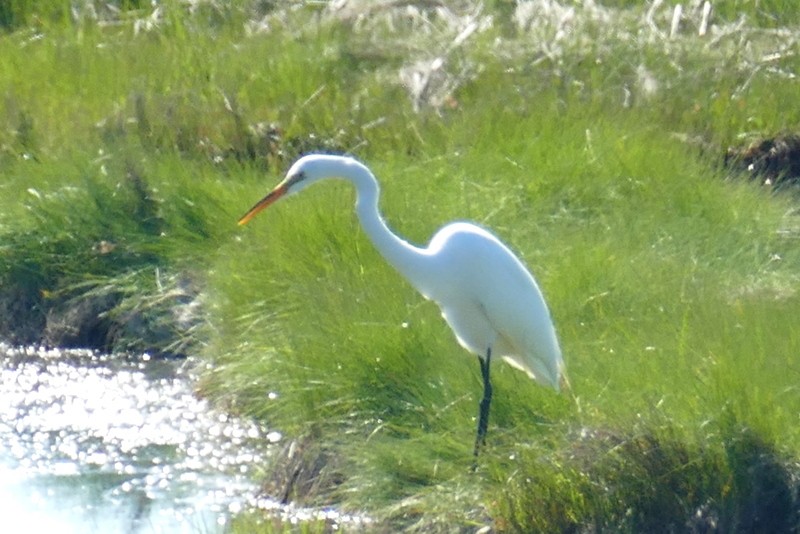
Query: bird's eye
<point x="293" y="179"/>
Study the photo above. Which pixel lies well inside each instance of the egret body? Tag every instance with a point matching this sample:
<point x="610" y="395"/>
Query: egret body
<point x="487" y="296"/>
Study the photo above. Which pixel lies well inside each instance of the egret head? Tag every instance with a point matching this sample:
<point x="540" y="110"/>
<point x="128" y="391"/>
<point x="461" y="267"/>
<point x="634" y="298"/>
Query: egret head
<point x="303" y="173"/>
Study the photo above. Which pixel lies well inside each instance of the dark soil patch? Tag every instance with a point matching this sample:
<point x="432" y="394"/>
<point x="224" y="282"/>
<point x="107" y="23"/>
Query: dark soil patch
<point x="161" y="325"/>
<point x="304" y="471"/>
<point x="772" y="160"/>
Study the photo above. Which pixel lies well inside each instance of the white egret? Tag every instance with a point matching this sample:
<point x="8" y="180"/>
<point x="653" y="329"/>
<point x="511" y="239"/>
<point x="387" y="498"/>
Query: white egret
<point x="487" y="296"/>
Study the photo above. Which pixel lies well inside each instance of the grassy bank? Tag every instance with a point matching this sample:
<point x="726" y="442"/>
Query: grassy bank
<point x="589" y="138"/>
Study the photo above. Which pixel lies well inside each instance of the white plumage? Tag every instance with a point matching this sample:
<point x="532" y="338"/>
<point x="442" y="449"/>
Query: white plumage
<point x="487" y="296"/>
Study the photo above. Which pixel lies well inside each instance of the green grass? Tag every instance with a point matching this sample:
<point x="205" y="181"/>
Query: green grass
<point x="672" y="282"/>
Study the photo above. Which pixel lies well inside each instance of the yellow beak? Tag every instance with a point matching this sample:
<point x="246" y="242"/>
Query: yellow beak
<point x="271" y="197"/>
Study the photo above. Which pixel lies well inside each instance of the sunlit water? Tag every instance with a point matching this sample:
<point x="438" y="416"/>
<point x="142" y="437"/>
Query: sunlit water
<point x="92" y="443"/>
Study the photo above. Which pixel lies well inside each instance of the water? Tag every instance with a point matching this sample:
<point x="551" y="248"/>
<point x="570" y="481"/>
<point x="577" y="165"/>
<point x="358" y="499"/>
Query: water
<point x="93" y="443"/>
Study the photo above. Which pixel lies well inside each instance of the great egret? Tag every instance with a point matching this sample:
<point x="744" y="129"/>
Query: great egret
<point x="487" y="296"/>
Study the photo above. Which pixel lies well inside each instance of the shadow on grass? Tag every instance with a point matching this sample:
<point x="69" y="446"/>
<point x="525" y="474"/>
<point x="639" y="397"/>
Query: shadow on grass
<point x="655" y="482"/>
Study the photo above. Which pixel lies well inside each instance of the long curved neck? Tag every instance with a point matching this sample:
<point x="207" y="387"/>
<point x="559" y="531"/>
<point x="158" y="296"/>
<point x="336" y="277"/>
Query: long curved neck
<point x="408" y="259"/>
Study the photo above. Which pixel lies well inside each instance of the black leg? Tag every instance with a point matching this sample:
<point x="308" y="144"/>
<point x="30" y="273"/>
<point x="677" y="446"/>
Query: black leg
<point x="483" y="418"/>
